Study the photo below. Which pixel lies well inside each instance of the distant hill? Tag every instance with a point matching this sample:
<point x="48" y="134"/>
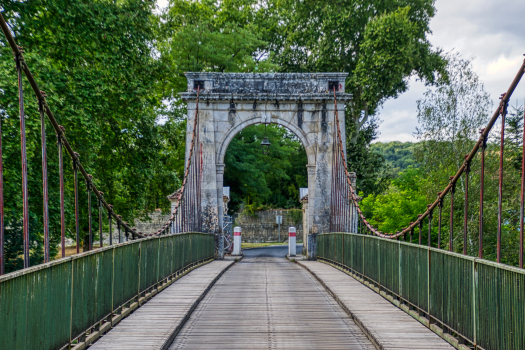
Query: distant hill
<point x="399" y="155"/>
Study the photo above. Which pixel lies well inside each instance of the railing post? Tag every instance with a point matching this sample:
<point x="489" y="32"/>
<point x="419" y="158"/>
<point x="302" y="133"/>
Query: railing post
<point x="100" y="222"/>
<point x="25" y="200"/>
<point x="451" y="234"/>
<point x="77" y="218"/>
<point x="522" y="194"/>
<point x="475" y="320"/>
<point x="481" y="193"/>
<point x="465" y="215"/>
<point x="2" y="259"/>
<point x="420" y="227"/>
<point x="119" y="233"/>
<point x="90" y="228"/>
<point x="430" y="215"/>
<point x="62" y="199"/>
<point x="440" y="207"/>
<point x="500" y="178"/>
<point x="44" y="178"/>
<point x="110" y="227"/>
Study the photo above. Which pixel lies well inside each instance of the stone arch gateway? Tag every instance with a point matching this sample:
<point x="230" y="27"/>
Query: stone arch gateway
<point x="300" y="102"/>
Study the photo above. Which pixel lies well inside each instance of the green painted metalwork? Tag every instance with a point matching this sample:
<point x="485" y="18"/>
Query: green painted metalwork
<point x="481" y="302"/>
<point x="49" y="305"/>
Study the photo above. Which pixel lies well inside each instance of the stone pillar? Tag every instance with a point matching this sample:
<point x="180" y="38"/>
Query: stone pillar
<point x="321" y="203"/>
<point x="311" y="197"/>
<point x="220" y="210"/>
<point x="220" y="192"/>
<point x="306" y="220"/>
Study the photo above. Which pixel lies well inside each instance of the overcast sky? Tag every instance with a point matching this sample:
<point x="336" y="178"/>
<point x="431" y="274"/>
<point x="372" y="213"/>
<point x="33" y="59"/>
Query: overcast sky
<point x="491" y="31"/>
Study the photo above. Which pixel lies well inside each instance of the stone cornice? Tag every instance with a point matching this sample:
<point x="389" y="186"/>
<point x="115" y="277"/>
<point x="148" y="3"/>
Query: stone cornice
<point x="266" y="86"/>
<point x="192" y="96"/>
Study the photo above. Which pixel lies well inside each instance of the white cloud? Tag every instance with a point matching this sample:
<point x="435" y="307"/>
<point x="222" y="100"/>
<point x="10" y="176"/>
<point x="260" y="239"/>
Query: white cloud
<point x="484" y="29"/>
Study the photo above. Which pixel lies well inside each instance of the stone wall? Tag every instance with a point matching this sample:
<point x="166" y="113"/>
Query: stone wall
<point x="158" y="219"/>
<point x="262" y="226"/>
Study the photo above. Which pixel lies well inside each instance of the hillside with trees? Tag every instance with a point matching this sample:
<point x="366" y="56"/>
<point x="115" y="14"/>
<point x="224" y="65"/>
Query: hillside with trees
<point x="398" y="155"/>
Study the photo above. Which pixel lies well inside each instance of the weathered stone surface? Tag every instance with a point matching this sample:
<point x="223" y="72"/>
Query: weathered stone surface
<point x="266" y="83"/>
<point x="301" y="102"/>
<point x="261" y="227"/>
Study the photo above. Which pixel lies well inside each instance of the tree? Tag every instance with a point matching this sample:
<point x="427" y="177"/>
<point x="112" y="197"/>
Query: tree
<point x="95" y="62"/>
<point x="380" y="43"/>
<point x="398" y="206"/>
<point x="259" y="181"/>
<point x="373" y="174"/>
<point x="210" y="36"/>
<point x="398" y="155"/>
<point x="450" y="117"/>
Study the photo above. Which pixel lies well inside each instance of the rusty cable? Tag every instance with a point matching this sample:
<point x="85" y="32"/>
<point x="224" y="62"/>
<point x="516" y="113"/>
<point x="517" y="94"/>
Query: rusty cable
<point x="500" y="110"/>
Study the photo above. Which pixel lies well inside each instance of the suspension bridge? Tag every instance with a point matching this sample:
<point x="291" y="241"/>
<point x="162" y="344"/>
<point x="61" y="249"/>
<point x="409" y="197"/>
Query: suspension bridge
<point x="356" y="288"/>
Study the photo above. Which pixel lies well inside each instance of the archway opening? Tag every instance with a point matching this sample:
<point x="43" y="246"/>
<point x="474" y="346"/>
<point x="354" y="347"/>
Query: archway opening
<point x="265" y="186"/>
<point x="261" y="181"/>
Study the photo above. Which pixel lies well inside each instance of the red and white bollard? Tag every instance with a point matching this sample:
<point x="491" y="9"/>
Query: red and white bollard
<point x="236" y="241"/>
<point x="292" y="233"/>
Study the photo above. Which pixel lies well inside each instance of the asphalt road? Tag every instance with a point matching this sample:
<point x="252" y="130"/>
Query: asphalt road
<point x="278" y="251"/>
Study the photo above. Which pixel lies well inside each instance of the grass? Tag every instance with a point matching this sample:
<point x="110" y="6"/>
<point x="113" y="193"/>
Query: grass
<point x="245" y="245"/>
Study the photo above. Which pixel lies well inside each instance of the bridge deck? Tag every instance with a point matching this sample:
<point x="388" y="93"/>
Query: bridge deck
<point x="269" y="303"/>
<point x="390" y="327"/>
<point x="154" y="323"/>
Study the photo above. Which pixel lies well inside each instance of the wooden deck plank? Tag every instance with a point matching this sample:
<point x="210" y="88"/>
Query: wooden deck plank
<point x="269" y="303"/>
<point x="152" y="325"/>
<point x="389" y="326"/>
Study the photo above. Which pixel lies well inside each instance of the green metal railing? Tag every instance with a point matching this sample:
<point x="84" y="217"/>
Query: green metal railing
<point x="478" y="301"/>
<point x="50" y="305"/>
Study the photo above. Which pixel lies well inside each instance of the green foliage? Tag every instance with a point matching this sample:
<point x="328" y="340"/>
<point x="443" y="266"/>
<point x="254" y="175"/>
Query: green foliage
<point x="296" y="216"/>
<point x="398" y="155"/>
<point x="373" y="174"/>
<point x="256" y="179"/>
<point x="210" y="36"/>
<point x="94" y="60"/>
<point x="380" y="43"/>
<point x="400" y="204"/>
<point x="450" y="118"/>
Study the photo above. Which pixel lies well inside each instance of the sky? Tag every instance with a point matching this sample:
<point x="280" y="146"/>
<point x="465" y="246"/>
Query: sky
<point x="490" y="31"/>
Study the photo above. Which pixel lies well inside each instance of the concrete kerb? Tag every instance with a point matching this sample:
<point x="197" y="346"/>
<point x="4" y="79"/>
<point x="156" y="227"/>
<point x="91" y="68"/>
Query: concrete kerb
<point x="295" y="258"/>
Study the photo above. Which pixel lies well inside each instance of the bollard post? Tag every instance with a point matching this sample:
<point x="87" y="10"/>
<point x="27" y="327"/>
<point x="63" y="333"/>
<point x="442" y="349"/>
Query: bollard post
<point x="292" y="241"/>
<point x="236" y="241"/>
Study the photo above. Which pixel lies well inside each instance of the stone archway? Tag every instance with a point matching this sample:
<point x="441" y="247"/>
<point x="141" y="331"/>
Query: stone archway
<point x="300" y="102"/>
